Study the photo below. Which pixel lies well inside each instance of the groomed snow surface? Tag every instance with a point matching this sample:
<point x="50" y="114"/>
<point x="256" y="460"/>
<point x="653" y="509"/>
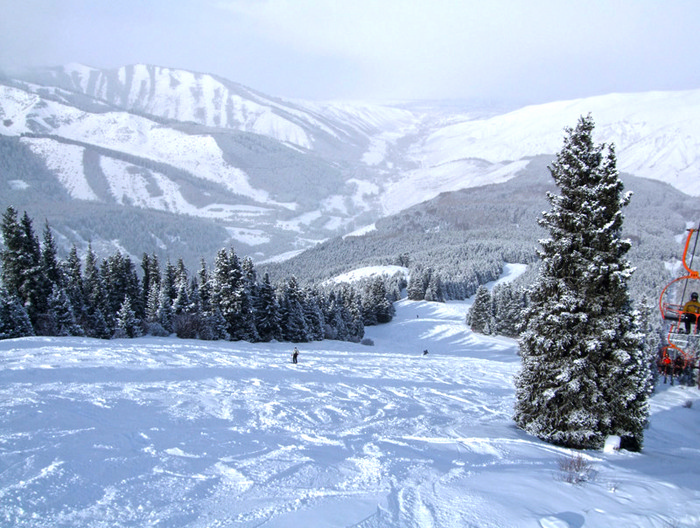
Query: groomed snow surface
<point x="164" y="432"/>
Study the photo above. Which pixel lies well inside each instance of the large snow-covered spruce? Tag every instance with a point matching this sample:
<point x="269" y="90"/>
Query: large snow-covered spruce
<point x="583" y="374"/>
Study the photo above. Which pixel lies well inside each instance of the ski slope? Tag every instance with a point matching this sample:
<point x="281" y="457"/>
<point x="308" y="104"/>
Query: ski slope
<point x="161" y="432"/>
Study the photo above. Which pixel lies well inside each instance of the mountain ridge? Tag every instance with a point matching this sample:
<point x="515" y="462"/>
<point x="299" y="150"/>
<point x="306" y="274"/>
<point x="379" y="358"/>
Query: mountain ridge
<point x="278" y="176"/>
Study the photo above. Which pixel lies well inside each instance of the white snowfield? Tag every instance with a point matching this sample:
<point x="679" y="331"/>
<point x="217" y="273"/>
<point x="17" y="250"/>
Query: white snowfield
<point x="161" y="432"/>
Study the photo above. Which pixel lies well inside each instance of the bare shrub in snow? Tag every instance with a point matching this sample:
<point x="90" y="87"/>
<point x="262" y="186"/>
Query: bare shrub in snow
<point x="575" y="469"/>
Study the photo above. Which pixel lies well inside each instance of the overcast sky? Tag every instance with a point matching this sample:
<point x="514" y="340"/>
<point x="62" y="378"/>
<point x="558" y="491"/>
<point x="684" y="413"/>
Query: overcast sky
<point x="525" y="51"/>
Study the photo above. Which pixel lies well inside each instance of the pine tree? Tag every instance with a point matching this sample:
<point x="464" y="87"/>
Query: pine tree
<point x="14" y="321"/>
<point x="72" y="272"/>
<point x="60" y="318"/>
<point x="120" y="280"/>
<point x="204" y="280"/>
<point x="128" y="325"/>
<point x="383" y="308"/>
<point x="434" y="290"/>
<point x="226" y="282"/>
<point x="335" y="316"/>
<point x="165" y="309"/>
<point x="95" y="299"/>
<point x="267" y="311"/>
<point x="21" y="265"/>
<point x="353" y="315"/>
<point x="508" y="304"/>
<point x="583" y="374"/>
<point x="153" y="303"/>
<point x="292" y="319"/>
<point x="151" y="278"/>
<point x="480" y="318"/>
<point x="245" y="295"/>
<point x="313" y="314"/>
<point x="36" y="287"/>
<point x="417" y="284"/>
<point x="49" y="259"/>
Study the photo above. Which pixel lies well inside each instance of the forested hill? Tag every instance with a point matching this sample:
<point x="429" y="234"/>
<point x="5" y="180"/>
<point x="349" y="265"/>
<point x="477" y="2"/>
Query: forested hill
<point x="466" y="236"/>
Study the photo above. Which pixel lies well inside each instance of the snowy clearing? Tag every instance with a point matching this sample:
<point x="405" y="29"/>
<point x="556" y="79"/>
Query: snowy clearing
<point x="166" y="432"/>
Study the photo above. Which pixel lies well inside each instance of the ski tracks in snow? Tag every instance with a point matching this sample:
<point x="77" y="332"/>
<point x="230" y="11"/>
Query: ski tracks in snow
<point x="148" y="432"/>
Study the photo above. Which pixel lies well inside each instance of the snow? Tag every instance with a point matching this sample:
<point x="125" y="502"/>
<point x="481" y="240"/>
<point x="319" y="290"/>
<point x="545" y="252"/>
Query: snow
<point x="368" y="272"/>
<point x="18" y="185"/>
<point x="66" y="161"/>
<point x="180" y="433"/>
<point x="655" y="134"/>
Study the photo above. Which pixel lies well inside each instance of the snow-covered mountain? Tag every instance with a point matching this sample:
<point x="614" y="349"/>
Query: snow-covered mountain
<point x="270" y="175"/>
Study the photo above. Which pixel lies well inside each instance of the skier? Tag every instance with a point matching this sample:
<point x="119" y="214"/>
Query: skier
<point x="691" y="309"/>
<point x="295" y="354"/>
<point x="666" y="366"/>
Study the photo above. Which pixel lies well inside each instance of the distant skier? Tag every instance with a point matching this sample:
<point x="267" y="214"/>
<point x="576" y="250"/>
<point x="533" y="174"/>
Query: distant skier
<point x="295" y="355"/>
<point x="666" y="366"/>
<point x="425" y="352"/>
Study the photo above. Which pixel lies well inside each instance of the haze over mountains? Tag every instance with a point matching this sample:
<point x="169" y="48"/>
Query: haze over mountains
<point x="152" y="159"/>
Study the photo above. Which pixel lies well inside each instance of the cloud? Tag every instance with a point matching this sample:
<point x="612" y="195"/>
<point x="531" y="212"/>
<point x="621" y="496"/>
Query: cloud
<point x="533" y="51"/>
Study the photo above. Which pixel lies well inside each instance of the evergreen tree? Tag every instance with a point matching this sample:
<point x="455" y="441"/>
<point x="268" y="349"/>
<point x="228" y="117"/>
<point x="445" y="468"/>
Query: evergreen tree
<point x="353" y="315"/>
<point x="652" y="331"/>
<point x="335" y="316"/>
<point x="369" y="303"/>
<point x="583" y="374"/>
<point x="168" y="282"/>
<point x="204" y="281"/>
<point x="60" y="318"/>
<point x="120" y="281"/>
<point x="480" y="318"/>
<point x="267" y="311"/>
<point x="13" y="260"/>
<point x="151" y="278"/>
<point x="127" y="325"/>
<point x="434" y="290"/>
<point x="49" y="259"/>
<point x="226" y="290"/>
<point x="153" y="303"/>
<point x="165" y="309"/>
<point x="508" y="304"/>
<point x="245" y="295"/>
<point x="292" y="319"/>
<point x="73" y="276"/>
<point x="36" y="287"/>
<point x="14" y="321"/>
<point x="416" y="284"/>
<point x="21" y="264"/>
<point x="95" y="299"/>
<point x="383" y="307"/>
<point x="313" y="315"/>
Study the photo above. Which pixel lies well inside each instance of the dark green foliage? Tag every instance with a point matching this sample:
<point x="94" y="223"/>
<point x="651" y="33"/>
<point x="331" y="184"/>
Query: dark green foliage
<point x="127" y="324"/>
<point x="59" y="318"/>
<point x="480" y="317"/>
<point x="508" y="303"/>
<point x="584" y="376"/>
<point x="108" y="300"/>
<point x="292" y="320"/>
<point x="14" y="321"/>
<point x="267" y="311"/>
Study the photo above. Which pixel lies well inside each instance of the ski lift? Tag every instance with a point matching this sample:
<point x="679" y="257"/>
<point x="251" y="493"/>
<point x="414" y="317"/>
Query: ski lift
<point x="681" y="346"/>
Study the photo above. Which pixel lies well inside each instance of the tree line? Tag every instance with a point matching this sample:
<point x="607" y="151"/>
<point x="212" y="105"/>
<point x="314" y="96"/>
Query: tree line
<point x="44" y="295"/>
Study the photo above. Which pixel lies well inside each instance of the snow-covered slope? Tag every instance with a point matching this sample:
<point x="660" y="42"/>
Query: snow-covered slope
<point x="211" y="101"/>
<point x="177" y="433"/>
<point x="656" y="134"/>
